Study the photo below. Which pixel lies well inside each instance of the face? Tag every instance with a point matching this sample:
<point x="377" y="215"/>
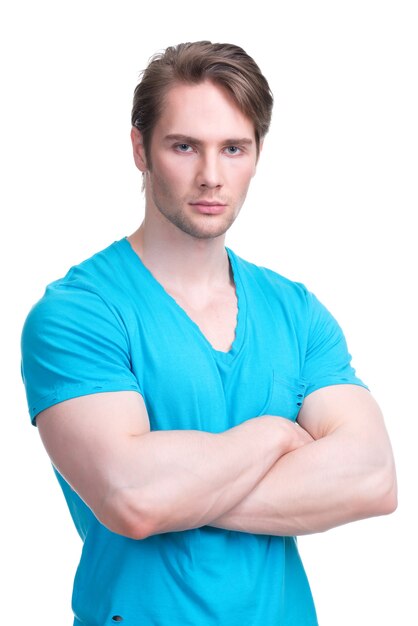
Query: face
<point x="202" y="158"/>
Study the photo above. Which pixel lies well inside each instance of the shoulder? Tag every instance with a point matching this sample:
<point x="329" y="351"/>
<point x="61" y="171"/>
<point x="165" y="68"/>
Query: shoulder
<point x="88" y="298"/>
<point x="325" y="357"/>
<point x="100" y="272"/>
<point x="301" y="307"/>
<point x="289" y="292"/>
<point x="75" y="339"/>
<point x="95" y="282"/>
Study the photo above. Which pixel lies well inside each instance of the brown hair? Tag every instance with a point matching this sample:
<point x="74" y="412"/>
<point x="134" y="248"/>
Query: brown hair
<point x="226" y="65"/>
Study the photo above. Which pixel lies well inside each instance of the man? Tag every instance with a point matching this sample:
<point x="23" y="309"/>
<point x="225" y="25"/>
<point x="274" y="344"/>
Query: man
<point x="166" y="375"/>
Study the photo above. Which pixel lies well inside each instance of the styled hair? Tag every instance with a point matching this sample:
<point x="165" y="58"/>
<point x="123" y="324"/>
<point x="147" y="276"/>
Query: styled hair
<point x="226" y="65"/>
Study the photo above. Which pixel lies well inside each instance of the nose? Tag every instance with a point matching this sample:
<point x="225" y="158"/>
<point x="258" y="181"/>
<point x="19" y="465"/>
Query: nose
<point x="209" y="173"/>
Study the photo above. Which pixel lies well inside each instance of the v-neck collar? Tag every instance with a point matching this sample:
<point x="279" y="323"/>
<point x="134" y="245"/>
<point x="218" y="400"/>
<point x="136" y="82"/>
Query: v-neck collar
<point x="239" y="291"/>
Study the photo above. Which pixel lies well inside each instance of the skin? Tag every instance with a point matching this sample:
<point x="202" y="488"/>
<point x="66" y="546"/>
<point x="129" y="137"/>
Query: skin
<point x="194" y="164"/>
<point x="267" y="475"/>
<point x="184" y="175"/>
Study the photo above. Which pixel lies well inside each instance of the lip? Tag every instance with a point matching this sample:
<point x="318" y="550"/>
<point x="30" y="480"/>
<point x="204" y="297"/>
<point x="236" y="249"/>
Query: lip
<point x="209" y="208"/>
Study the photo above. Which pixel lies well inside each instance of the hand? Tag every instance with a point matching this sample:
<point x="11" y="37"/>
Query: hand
<point x="292" y="436"/>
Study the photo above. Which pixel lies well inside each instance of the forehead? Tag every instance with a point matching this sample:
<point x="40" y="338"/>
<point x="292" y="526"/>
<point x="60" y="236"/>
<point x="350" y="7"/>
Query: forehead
<point x="206" y="111"/>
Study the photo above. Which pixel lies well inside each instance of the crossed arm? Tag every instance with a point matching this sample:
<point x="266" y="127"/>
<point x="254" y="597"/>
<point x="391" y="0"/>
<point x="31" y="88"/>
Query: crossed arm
<point x="345" y="473"/>
<point x="266" y="475"/>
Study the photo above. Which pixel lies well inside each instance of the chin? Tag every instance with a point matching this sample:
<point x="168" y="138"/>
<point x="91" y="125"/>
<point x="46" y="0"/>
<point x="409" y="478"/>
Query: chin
<point x="204" y="227"/>
<point x="211" y="231"/>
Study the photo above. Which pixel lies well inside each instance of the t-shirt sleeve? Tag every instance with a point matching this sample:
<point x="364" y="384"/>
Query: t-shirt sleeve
<point x="327" y="360"/>
<point x="73" y="344"/>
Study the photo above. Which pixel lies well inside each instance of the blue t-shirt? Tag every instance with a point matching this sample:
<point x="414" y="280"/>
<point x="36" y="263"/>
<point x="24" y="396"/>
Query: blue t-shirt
<point x="109" y="325"/>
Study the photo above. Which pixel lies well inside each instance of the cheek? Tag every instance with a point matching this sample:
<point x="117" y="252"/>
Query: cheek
<point x="173" y="174"/>
<point x="242" y="168"/>
<point x="241" y="178"/>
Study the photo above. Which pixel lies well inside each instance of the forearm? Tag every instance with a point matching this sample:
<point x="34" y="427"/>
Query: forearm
<point x="185" y="479"/>
<point x="324" y="484"/>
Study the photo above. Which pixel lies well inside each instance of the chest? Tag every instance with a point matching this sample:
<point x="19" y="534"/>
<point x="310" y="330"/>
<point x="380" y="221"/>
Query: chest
<point x="215" y="316"/>
<point x="189" y="384"/>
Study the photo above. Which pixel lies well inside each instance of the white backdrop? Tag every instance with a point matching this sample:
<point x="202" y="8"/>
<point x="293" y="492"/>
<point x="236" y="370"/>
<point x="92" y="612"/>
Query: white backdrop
<point x="331" y="206"/>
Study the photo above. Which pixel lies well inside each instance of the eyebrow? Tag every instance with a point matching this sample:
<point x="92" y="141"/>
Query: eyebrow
<point x="197" y="142"/>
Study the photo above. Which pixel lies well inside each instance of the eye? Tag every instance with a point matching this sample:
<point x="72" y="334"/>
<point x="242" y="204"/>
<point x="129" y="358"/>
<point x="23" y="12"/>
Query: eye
<point x="183" y="147"/>
<point x="232" y="150"/>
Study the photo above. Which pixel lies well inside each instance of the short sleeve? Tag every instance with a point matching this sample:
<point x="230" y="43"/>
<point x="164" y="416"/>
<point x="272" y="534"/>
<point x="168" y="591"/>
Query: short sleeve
<point x="327" y="360"/>
<point x="73" y="344"/>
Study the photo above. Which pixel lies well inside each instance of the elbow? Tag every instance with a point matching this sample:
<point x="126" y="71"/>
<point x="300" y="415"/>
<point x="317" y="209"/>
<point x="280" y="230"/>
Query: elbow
<point x="125" y="512"/>
<point x="135" y="527"/>
<point x="389" y="499"/>
<point x="382" y="493"/>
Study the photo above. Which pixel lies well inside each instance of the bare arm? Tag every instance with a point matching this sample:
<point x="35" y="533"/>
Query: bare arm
<point x="140" y="483"/>
<point x="346" y="473"/>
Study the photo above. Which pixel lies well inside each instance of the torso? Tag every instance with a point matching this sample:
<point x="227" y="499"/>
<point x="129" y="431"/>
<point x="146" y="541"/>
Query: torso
<point x="157" y="342"/>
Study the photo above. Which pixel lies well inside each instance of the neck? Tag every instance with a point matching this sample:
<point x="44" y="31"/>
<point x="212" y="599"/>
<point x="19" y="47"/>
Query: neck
<point x="178" y="260"/>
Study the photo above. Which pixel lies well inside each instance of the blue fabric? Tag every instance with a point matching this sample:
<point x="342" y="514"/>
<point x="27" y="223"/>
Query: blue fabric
<point x="108" y="325"/>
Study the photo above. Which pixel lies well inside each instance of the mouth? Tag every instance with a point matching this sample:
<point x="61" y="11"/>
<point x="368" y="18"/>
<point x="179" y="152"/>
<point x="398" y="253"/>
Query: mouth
<point x="208" y="208"/>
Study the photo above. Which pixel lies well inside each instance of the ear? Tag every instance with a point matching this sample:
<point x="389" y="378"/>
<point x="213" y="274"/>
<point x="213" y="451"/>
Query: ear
<point x="138" y="150"/>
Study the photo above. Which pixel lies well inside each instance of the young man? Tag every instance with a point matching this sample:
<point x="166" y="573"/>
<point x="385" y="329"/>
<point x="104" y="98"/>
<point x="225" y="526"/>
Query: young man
<point x="166" y="375"/>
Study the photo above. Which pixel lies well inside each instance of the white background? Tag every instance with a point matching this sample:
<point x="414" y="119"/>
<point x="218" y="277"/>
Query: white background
<point x="332" y="206"/>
